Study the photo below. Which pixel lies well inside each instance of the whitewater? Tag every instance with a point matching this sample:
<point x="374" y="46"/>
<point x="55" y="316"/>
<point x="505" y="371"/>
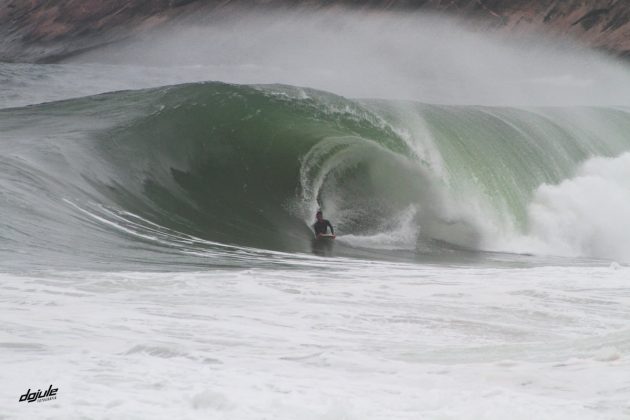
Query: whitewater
<point x="156" y="255"/>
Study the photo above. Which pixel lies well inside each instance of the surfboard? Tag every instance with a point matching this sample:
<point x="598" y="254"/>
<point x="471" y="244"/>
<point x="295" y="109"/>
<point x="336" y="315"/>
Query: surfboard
<point x="325" y="236"/>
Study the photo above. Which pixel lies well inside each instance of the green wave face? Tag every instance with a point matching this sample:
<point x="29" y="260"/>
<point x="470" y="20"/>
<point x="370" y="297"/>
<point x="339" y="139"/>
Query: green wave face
<point x="249" y="165"/>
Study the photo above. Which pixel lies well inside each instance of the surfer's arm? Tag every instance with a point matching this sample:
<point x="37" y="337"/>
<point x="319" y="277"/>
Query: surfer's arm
<point x="330" y="226"/>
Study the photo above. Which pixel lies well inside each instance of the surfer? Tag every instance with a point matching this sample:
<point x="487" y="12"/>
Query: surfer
<point x="321" y="226"/>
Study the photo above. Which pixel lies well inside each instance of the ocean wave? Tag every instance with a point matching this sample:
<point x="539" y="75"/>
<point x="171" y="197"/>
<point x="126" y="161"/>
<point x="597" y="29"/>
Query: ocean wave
<point x="247" y="166"/>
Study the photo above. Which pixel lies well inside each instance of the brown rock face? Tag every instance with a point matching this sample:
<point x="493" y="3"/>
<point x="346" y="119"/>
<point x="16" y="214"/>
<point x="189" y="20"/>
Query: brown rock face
<point x="45" y="30"/>
<point x="602" y="24"/>
<point x="42" y="30"/>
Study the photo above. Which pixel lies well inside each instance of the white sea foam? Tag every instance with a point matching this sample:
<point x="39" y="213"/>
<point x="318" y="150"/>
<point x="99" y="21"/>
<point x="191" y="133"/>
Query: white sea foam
<point x="358" y="340"/>
<point x="587" y="215"/>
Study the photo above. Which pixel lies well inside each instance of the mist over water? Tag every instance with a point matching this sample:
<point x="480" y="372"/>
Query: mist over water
<point x="386" y="55"/>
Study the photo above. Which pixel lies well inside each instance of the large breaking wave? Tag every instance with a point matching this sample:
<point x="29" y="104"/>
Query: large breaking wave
<point x="216" y="165"/>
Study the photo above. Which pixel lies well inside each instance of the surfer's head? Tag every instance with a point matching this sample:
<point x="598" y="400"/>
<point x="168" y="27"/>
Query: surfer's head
<point x="319" y="215"/>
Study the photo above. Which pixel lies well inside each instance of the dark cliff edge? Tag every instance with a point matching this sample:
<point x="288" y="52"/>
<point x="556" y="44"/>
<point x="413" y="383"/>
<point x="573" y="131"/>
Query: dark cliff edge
<point x="50" y="30"/>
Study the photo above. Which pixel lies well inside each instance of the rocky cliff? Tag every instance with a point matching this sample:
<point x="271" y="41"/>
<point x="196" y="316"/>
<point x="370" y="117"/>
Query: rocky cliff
<point x="48" y="30"/>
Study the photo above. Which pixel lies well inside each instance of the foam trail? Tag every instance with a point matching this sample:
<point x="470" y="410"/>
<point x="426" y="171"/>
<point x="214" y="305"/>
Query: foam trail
<point x="401" y="234"/>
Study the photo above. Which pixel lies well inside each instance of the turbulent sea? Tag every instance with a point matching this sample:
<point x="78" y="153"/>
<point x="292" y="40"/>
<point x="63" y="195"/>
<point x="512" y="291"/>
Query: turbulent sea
<point x="157" y="261"/>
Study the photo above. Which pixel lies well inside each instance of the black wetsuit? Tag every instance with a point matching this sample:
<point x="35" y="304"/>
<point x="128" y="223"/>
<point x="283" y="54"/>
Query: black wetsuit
<point x="321" y="226"/>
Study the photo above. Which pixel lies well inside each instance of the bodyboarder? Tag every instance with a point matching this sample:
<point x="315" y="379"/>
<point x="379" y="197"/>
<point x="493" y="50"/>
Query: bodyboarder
<point x="321" y="226"/>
